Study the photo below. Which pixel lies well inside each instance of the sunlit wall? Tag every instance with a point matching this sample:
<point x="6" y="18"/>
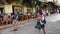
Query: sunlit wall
<point x="8" y="9"/>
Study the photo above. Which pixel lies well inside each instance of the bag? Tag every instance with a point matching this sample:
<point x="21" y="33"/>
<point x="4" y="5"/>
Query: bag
<point x="38" y="25"/>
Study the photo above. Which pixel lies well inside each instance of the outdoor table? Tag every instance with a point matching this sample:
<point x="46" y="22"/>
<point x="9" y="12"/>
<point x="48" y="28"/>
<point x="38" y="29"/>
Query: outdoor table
<point x="20" y="18"/>
<point x="25" y="17"/>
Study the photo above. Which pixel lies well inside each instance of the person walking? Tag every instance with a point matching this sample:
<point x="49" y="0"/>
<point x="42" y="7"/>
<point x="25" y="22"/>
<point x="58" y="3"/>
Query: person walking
<point x="40" y="23"/>
<point x="15" y="17"/>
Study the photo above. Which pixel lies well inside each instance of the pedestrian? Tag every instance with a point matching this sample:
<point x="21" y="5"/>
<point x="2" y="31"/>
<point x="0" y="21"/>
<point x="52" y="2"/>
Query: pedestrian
<point x="15" y="17"/>
<point x="40" y="23"/>
<point x="8" y="19"/>
<point x="45" y="11"/>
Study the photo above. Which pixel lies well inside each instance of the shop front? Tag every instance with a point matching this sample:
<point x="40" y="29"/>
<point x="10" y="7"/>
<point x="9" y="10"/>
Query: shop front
<point x="24" y="12"/>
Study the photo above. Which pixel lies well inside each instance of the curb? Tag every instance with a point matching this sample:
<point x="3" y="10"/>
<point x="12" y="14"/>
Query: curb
<point x="19" y="23"/>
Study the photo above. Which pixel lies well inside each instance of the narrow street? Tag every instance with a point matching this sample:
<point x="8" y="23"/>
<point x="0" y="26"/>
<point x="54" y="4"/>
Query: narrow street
<point x="52" y="27"/>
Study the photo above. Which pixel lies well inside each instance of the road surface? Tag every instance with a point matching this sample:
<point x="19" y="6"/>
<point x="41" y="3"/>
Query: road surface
<point x="52" y="27"/>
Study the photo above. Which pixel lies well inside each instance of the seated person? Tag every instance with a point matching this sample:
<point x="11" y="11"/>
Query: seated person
<point x="1" y="19"/>
<point x="8" y="19"/>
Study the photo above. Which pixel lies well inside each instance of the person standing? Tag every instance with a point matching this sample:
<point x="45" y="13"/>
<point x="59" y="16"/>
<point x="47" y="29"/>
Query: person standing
<point x="40" y="23"/>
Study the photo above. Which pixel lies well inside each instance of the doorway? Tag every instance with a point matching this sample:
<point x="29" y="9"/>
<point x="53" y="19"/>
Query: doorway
<point x="1" y="10"/>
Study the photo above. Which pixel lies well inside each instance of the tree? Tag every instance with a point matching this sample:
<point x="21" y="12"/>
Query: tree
<point x="34" y="2"/>
<point x="20" y="1"/>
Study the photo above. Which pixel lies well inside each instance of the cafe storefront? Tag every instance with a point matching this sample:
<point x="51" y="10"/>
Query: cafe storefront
<point x="25" y="12"/>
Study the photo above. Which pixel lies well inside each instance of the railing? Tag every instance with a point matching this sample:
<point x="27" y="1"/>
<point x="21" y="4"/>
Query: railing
<point x="21" y="18"/>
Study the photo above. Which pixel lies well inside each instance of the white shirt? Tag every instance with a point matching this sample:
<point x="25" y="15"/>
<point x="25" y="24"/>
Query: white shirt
<point x="42" y="20"/>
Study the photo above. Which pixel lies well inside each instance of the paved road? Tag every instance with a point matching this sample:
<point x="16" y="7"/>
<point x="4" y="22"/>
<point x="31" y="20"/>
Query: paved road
<point x="52" y="27"/>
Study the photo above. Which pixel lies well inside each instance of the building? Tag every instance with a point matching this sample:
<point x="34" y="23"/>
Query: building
<point x="8" y="8"/>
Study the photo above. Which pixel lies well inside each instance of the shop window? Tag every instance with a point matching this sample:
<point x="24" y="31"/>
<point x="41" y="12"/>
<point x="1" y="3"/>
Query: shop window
<point x="18" y="9"/>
